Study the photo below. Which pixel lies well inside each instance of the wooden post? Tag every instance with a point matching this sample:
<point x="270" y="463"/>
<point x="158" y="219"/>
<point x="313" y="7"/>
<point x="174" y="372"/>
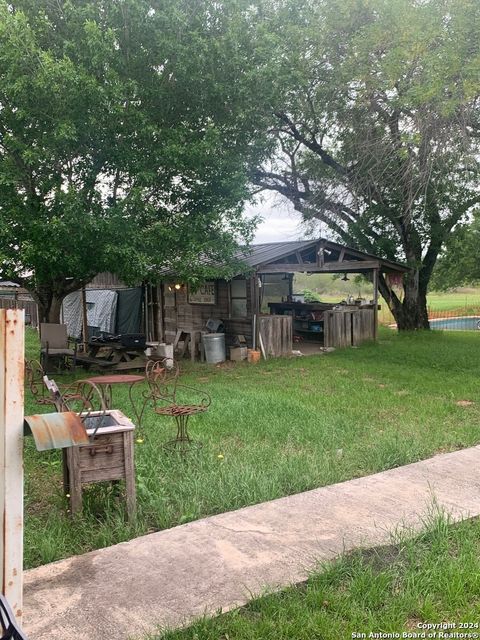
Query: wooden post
<point x="12" y="327"/>
<point x="146" y="318"/>
<point x="375" y="303"/>
<point x="255" y="308"/>
<point x="84" y="320"/>
<point x="160" y="314"/>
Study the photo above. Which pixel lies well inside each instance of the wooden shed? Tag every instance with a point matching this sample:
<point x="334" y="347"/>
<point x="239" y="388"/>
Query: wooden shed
<point x="258" y="303"/>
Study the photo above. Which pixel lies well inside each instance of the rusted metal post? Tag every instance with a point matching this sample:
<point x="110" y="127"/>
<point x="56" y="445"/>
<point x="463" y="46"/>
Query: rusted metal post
<point x="12" y="327"/>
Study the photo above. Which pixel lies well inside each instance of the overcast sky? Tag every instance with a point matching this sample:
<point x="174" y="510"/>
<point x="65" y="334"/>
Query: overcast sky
<point x="279" y="220"/>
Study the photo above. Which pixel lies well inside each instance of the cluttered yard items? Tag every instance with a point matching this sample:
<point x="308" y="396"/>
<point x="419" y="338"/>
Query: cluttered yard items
<point x="115" y="352"/>
<point x="97" y="442"/>
<point x="260" y="304"/>
<point x="170" y="398"/>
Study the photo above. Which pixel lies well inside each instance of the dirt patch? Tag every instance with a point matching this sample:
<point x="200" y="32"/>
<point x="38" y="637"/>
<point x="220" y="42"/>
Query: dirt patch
<point x="412" y="624"/>
<point x="464" y="403"/>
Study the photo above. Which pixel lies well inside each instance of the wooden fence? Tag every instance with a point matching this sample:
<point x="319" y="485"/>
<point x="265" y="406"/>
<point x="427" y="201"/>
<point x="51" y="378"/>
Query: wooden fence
<point x="30" y="307"/>
<point x="348" y="328"/>
<point x="276" y="334"/>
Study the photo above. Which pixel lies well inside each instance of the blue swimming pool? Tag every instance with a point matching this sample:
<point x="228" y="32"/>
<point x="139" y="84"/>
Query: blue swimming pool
<point x="467" y="323"/>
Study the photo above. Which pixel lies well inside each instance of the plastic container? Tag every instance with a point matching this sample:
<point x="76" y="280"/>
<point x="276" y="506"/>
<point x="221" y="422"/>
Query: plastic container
<point x="166" y="351"/>
<point x="214" y="345"/>
<point x="253" y="356"/>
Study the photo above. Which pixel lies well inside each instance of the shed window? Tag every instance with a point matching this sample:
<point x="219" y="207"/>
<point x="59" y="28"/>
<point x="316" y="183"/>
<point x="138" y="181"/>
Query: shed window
<point x="238" y="294"/>
<point x="169" y="295"/>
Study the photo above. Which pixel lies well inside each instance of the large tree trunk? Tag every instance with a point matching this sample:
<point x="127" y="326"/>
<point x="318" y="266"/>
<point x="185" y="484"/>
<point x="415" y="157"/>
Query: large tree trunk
<point x="49" y="306"/>
<point x="50" y="295"/>
<point x="411" y="313"/>
<point x="50" y="312"/>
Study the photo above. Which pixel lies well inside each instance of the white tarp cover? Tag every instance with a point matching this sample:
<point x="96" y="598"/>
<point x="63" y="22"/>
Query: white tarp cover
<point x="101" y="311"/>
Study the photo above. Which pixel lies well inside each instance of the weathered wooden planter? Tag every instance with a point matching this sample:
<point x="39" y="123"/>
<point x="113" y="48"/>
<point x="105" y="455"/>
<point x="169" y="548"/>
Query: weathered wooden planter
<point x="97" y="446"/>
<point x="108" y="456"/>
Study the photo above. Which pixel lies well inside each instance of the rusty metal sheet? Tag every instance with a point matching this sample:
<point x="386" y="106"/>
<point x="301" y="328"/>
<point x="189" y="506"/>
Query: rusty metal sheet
<point x="57" y="430"/>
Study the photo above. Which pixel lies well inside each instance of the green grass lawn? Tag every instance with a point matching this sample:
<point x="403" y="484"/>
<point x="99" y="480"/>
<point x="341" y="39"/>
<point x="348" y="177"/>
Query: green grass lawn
<point x="277" y="428"/>
<point x="433" y="578"/>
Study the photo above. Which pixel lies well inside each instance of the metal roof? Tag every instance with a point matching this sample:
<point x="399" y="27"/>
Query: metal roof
<point x="270" y="251"/>
<point x="263" y="254"/>
<point x="266" y="253"/>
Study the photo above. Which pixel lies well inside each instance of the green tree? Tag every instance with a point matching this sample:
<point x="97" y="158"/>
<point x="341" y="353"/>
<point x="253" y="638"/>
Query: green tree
<point x="378" y="134"/>
<point x="125" y="141"/>
<point x="459" y="263"/>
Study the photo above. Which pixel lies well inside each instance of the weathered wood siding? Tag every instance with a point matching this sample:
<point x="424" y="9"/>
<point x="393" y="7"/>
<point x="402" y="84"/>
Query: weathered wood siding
<point x="277" y="335"/>
<point x="241" y="326"/>
<point x="363" y="326"/>
<point x="179" y="314"/>
<point x="107" y="280"/>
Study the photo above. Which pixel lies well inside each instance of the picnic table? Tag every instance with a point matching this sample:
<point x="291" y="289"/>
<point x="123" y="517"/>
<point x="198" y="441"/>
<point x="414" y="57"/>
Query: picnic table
<point x="113" y="356"/>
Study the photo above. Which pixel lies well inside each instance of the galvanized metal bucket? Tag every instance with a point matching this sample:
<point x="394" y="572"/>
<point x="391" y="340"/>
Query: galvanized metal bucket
<point x="214" y="344"/>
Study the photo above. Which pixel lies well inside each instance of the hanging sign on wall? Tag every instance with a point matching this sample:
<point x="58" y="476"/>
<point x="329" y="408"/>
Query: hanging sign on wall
<point x="205" y="294"/>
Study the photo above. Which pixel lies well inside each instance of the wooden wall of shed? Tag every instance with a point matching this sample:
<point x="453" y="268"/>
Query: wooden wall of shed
<point x="179" y="314"/>
<point x="106" y="280"/>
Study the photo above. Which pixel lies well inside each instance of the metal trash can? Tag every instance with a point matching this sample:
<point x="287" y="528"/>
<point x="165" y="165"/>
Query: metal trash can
<point x="214" y="344"/>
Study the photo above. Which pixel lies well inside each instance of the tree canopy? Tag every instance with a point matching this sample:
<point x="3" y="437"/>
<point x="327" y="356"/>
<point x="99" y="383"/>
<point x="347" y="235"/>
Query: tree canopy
<point x="129" y="131"/>
<point x="378" y="133"/>
<point x="459" y="263"/>
<point x="124" y="143"/>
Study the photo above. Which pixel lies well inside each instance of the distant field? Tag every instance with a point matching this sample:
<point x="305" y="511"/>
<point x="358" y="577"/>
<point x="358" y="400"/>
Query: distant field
<point x="463" y="298"/>
<point x="326" y="285"/>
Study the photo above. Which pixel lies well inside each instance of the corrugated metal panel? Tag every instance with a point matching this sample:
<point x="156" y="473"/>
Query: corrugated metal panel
<point x="56" y="430"/>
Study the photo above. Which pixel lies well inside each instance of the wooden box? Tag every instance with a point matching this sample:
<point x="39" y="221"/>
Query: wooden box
<point x="238" y="353"/>
<point x="108" y="457"/>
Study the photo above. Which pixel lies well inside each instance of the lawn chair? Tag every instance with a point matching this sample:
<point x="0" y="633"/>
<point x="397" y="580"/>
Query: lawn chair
<point x="170" y="398"/>
<point x="54" y="343"/>
<point x="9" y="625"/>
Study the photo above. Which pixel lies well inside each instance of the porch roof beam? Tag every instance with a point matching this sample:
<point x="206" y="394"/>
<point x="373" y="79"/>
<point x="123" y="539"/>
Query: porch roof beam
<point x="352" y="266"/>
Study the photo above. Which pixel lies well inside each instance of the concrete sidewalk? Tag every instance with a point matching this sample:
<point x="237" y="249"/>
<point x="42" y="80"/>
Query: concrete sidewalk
<point x="171" y="577"/>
